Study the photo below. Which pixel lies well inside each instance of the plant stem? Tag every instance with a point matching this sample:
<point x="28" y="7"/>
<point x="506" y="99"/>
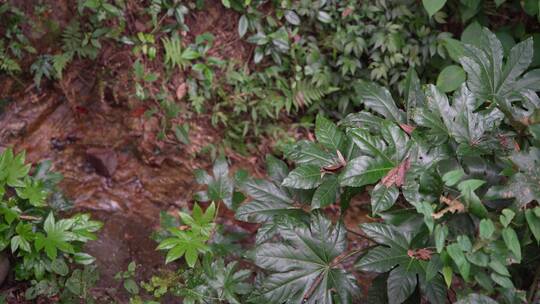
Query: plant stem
<point x="534" y="285"/>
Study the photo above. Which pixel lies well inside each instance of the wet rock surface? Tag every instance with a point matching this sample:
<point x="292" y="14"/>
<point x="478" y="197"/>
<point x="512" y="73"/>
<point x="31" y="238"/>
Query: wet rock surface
<point x="112" y="167"/>
<point x="103" y="160"/>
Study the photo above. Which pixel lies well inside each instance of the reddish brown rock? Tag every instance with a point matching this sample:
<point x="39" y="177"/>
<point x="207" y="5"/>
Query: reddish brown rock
<point x="103" y="160"/>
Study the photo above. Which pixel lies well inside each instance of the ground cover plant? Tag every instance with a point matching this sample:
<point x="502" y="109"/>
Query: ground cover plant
<point x="453" y="194"/>
<point x="40" y="245"/>
<point x="404" y="141"/>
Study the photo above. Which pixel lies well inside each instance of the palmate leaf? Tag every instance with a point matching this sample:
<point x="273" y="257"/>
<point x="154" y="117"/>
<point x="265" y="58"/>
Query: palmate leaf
<point x="261" y="211"/>
<point x="57" y="237"/>
<point x="400" y="285"/>
<point x="302" y="268"/>
<point x="458" y="120"/>
<point x="227" y="282"/>
<point x="269" y="201"/>
<point x="12" y="168"/>
<point x="266" y="191"/>
<point x="492" y="79"/>
<point x="392" y="252"/>
<point x="220" y="185"/>
<point x="523" y="185"/>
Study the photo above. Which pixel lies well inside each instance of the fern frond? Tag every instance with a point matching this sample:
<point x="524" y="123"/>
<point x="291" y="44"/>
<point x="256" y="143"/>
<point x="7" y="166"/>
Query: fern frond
<point x="59" y="62"/>
<point x="306" y="93"/>
<point x="7" y="64"/>
<point x="173" y="52"/>
<point x="77" y="42"/>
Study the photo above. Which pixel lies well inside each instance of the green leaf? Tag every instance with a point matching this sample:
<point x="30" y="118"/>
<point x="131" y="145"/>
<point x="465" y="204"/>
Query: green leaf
<point x="379" y="100"/>
<point x="447" y="274"/>
<point x="523" y="186"/>
<point x="506" y="217"/>
<point x="383" y="198"/>
<point x="34" y="191"/>
<point x="441" y="232"/>
<point x="512" y="242"/>
<point x="276" y="169"/>
<point x="534" y="224"/>
<point x="502" y="280"/>
<point x="309" y="153"/>
<point x="326" y="194"/>
<point x="433" y="6"/>
<point x="451" y="178"/>
<point x="12" y="168"/>
<point x="382" y="259"/>
<point x="488" y="77"/>
<point x="476" y="298"/>
<point x="60" y="267"/>
<point x="131" y="286"/>
<point x="499" y="267"/>
<point x="304" y="263"/>
<point x="292" y="17"/>
<point x="392" y="252"/>
<point x="473" y="203"/>
<point x="364" y="170"/>
<point x="413" y="93"/>
<point x="456" y="253"/>
<point x="435" y="289"/>
<point x="454" y="48"/>
<point x="263" y="190"/>
<point x="328" y="134"/>
<point x="243" y="24"/>
<point x="386" y="235"/>
<point x="369" y="144"/>
<point x="471" y="33"/>
<point x="401" y="285"/>
<point x="324" y="17"/>
<point x="83" y="258"/>
<point x="261" y="211"/>
<point x="304" y="177"/>
<point x="450" y="78"/>
<point x="57" y="237"/>
<point x="486" y="229"/>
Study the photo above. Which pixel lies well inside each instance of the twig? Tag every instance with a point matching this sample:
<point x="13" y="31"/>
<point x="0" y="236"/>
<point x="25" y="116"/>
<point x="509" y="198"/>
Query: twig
<point x="29" y="217"/>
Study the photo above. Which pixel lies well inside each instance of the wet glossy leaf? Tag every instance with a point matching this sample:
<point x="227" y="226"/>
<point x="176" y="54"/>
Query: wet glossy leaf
<point x="450" y="78"/>
<point x="304" y="177"/>
<point x="326" y="193"/>
<point x="383" y="198"/>
<point x="300" y="274"/>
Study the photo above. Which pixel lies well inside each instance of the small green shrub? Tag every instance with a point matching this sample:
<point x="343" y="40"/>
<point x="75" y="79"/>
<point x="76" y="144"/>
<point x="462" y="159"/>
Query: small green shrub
<point x="42" y="245"/>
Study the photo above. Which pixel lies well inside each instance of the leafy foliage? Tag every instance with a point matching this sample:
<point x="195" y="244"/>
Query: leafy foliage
<point x="189" y="240"/>
<point x="41" y="245"/>
<point x="462" y="168"/>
